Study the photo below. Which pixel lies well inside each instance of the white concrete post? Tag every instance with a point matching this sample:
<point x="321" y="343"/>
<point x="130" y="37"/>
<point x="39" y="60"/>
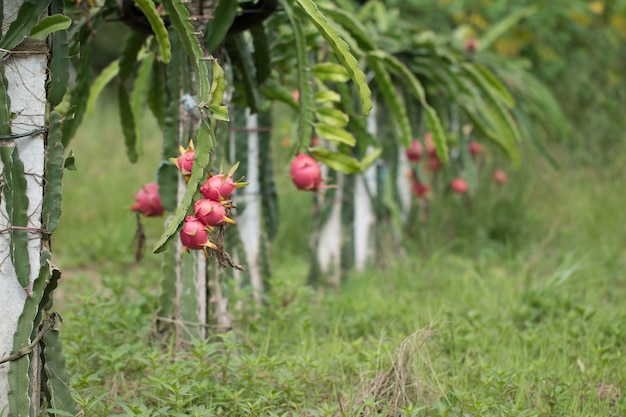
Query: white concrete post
<point x="364" y="216"/>
<point x="249" y="222"/>
<point x="26" y="73"/>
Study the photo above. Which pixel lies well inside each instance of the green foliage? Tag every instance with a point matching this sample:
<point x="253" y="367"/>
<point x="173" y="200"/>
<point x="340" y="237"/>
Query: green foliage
<point x="334" y="133"/>
<point x="179" y="16"/>
<point x="5" y="106"/>
<point x="148" y="7"/>
<point x="554" y="38"/>
<point x="130" y="105"/>
<point x="27" y="327"/>
<point x="272" y="90"/>
<point x="432" y="120"/>
<point x="58" y="390"/>
<point x="224" y="16"/>
<point x="306" y="102"/>
<point x="216" y="94"/>
<point x="495" y="121"/>
<point x="496" y="31"/>
<point x="317" y="76"/>
<point x="245" y="79"/>
<point x="16" y="202"/>
<point x="340" y="48"/>
<point x="167" y="302"/>
<point x="261" y="52"/>
<point x="158" y="93"/>
<point x="129" y="54"/>
<point x="27" y="17"/>
<point x="53" y="189"/>
<point x="138" y="95"/>
<point x="392" y="100"/>
<point x="167" y="173"/>
<point x="99" y="84"/>
<point x="186" y="296"/>
<point x="61" y="400"/>
<point x="353" y="26"/>
<point x="336" y="160"/>
<point x="269" y="196"/>
<point x="128" y="123"/>
<point x="80" y="93"/>
<point x="240" y="148"/>
<point x="50" y="24"/>
<point x="59" y="65"/>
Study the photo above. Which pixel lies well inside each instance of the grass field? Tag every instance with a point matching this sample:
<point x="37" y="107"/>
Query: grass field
<point x="528" y="321"/>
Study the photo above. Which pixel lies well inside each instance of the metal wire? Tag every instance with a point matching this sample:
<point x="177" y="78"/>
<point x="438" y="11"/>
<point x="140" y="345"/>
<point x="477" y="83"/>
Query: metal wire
<point x="23" y="135"/>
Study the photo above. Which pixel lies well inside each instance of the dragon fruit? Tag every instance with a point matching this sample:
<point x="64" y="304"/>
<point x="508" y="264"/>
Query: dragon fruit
<point x="475" y="148"/>
<point x="185" y="161"/>
<point x="420" y="189"/>
<point x="499" y="176"/>
<point x="195" y="235"/>
<point x="306" y="173"/>
<point x="220" y="187"/>
<point x="148" y="201"/>
<point x="414" y="153"/>
<point x="430" y="145"/>
<point x="459" y="185"/>
<point x="211" y="212"/>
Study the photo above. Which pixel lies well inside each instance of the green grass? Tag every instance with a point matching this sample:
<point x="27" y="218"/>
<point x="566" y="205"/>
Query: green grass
<point x="97" y="224"/>
<point x="513" y="308"/>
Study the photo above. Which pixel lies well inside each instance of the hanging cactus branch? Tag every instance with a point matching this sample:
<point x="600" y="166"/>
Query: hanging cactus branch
<point x="53" y="189"/>
<point x="57" y="379"/>
<point x="47" y="324"/>
<point x="16" y="203"/>
<point x="59" y="63"/>
<point x="20" y="369"/>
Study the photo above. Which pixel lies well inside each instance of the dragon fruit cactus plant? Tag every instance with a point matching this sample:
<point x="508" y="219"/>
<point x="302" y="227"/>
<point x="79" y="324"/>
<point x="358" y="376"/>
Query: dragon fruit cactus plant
<point x="199" y="231"/>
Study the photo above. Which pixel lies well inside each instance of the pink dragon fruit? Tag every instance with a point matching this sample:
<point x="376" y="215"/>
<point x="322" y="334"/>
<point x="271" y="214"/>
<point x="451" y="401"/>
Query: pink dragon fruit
<point x="211" y="212"/>
<point x="475" y="148"/>
<point x="220" y="187"/>
<point x="499" y="176"/>
<point x="433" y="163"/>
<point x="185" y="161"/>
<point x="420" y="189"/>
<point x="430" y="144"/>
<point x="148" y="201"/>
<point x="195" y="235"/>
<point x="306" y="173"/>
<point x="414" y="153"/>
<point x="459" y="185"/>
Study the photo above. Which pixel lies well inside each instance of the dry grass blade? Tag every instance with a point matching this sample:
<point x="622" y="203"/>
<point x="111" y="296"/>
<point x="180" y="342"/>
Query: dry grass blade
<point x="407" y="381"/>
<point x="609" y="392"/>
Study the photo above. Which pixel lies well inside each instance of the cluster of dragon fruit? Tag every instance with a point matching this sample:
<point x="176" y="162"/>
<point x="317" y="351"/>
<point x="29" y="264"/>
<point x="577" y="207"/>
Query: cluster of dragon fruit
<point x="209" y="213"/>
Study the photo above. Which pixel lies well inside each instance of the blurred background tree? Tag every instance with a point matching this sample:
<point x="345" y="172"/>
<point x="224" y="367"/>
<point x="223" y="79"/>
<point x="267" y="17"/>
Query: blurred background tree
<point x="576" y="47"/>
<point x="561" y="35"/>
